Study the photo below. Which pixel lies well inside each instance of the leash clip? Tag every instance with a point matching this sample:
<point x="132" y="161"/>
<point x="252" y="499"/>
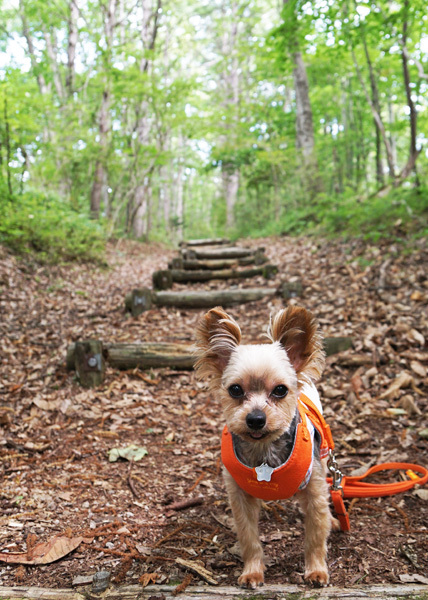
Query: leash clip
<point x="336" y="473"/>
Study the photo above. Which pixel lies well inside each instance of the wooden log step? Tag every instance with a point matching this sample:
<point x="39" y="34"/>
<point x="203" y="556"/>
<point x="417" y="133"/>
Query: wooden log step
<point x="214" y="265"/>
<point x="210" y="299"/>
<point x="163" y="280"/>
<point x="379" y="591"/>
<point x="205" y="242"/>
<point x="140" y="300"/>
<point x="217" y="253"/>
<point x="148" y="355"/>
<point x="144" y="356"/>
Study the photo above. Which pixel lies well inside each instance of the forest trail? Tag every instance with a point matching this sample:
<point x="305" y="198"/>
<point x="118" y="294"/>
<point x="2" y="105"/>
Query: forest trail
<point x="54" y="451"/>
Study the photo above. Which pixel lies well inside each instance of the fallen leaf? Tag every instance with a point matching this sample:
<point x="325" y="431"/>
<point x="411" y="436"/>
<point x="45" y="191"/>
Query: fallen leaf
<point x="418" y="368"/>
<point x="396" y="412"/>
<point x="416" y="336"/>
<point x="407" y="402"/>
<point x="132" y="452"/>
<point x="417" y="296"/>
<point x="43" y="553"/>
<point x="403" y="380"/>
<point x="422" y="494"/>
<point x="357" y="384"/>
<point x="148" y="578"/>
<point x="46" y="404"/>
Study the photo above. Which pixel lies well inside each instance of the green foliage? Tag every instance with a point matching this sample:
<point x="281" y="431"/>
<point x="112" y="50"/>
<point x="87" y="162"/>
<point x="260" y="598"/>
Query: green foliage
<point x="47" y="227"/>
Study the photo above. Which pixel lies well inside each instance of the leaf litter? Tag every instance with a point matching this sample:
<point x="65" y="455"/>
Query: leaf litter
<point x="144" y="521"/>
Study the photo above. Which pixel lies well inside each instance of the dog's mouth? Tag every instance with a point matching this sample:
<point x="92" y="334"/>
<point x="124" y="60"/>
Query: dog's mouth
<point x="257" y="435"/>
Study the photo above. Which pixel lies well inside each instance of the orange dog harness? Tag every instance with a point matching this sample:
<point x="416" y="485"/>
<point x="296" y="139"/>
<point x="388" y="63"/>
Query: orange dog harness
<point x="267" y="483"/>
<point x="284" y="481"/>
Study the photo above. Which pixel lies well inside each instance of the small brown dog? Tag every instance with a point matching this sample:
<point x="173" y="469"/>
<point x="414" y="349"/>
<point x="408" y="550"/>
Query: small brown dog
<point x="272" y="445"/>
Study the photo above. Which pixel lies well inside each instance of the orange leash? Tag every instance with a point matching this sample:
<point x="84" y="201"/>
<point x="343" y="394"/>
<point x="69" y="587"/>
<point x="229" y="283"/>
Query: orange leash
<point x="355" y="487"/>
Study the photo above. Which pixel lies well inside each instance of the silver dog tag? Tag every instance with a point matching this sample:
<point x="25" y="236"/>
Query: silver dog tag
<point x="264" y="472"/>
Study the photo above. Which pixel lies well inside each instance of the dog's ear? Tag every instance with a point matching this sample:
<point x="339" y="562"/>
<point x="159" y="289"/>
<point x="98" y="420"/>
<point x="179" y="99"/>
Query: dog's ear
<point x="217" y="335"/>
<point x="297" y="331"/>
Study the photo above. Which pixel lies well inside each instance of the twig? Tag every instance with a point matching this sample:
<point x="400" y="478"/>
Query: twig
<point x="183" y="585"/>
<point x="197" y="482"/>
<point x="186" y="503"/>
<point x="169" y="536"/>
<point x="198" y="569"/>
<point x="133" y="488"/>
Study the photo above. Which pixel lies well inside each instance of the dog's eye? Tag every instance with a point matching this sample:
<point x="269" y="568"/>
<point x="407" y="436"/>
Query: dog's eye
<point x="280" y="391"/>
<point x="236" y="391"/>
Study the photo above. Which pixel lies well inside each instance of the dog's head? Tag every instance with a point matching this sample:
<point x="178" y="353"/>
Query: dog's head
<point x="258" y="385"/>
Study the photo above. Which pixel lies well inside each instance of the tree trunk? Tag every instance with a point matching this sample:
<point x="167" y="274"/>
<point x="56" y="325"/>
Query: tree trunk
<point x="413" y="152"/>
<point x="378" y="120"/>
<point x="140" y="221"/>
<point x="376" y="104"/>
<point x="230" y="76"/>
<point x="100" y="175"/>
<point x="304" y="123"/>
<point x="72" y="43"/>
<point x="44" y="89"/>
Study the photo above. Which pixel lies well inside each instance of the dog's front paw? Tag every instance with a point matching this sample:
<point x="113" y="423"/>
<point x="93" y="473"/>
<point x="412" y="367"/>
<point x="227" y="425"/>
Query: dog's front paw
<point x="317" y="577"/>
<point x="251" y="580"/>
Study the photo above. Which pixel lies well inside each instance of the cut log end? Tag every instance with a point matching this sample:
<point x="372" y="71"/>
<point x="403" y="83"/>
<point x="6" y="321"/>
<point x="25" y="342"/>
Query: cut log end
<point x="138" y="301"/>
<point x="89" y="363"/>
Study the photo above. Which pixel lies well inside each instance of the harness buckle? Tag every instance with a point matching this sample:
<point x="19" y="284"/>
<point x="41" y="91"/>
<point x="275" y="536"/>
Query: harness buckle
<point x="336" y="473"/>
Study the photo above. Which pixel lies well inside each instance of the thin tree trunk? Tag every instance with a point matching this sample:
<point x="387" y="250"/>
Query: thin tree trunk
<point x="100" y="175"/>
<point x="413" y="153"/>
<point x="141" y="203"/>
<point x="8" y="151"/>
<point x="378" y="120"/>
<point x="305" y="141"/>
<point x="376" y="104"/>
<point x="72" y="43"/>
<point x="230" y="172"/>
<point x="44" y="89"/>
<point x="52" y="51"/>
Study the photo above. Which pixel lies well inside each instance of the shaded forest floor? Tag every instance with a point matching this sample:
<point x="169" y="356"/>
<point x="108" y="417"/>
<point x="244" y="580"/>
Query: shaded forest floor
<point x="55" y="436"/>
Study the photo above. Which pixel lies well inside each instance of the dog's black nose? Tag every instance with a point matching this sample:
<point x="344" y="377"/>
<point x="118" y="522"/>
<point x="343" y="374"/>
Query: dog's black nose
<point x="256" y="419"/>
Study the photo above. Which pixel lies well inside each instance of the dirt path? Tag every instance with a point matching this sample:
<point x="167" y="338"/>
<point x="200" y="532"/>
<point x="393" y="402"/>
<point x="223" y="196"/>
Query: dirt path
<point x="55" y="436"/>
